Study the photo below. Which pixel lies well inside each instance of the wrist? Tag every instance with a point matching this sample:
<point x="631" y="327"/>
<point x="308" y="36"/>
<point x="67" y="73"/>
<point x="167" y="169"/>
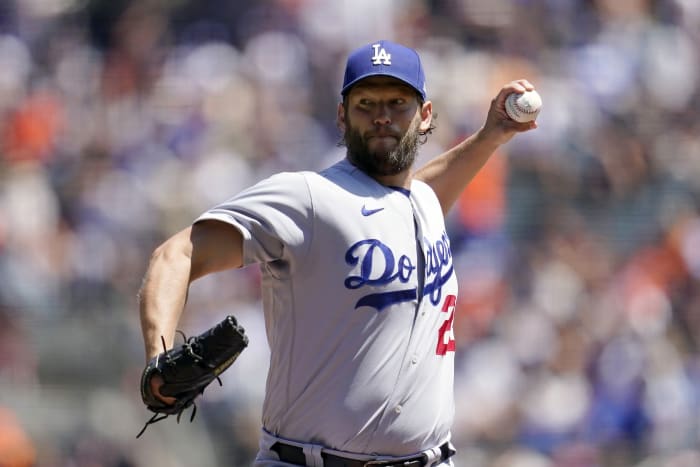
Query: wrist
<point x="487" y="139"/>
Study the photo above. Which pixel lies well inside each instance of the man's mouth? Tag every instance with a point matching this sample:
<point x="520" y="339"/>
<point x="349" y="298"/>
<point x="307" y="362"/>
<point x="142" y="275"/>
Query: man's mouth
<point x="382" y="135"/>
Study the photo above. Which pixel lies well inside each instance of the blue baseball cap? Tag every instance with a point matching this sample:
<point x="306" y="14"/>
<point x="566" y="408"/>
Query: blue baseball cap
<point x="385" y="58"/>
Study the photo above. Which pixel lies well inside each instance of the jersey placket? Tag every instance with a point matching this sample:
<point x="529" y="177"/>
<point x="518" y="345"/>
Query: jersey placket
<point x="411" y="356"/>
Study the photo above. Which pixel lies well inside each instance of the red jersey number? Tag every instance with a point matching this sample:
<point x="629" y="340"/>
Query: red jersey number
<point x="446" y="336"/>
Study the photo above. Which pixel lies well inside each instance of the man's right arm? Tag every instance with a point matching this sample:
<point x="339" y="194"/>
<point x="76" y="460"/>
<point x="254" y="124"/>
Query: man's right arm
<point x="449" y="173"/>
<point x="206" y="247"/>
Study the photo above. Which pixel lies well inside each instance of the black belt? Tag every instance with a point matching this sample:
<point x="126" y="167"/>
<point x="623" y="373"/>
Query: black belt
<point x="295" y="455"/>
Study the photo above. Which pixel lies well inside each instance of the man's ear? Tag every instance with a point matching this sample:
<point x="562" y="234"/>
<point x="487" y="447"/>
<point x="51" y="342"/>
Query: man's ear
<point x="426" y="116"/>
<point x="340" y="118"/>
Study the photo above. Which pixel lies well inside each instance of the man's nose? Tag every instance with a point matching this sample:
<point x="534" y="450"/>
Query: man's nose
<point x="382" y="117"/>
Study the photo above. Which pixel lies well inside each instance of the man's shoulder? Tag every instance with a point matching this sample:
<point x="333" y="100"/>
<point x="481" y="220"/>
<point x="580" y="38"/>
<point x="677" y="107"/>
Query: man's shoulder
<point x="339" y="176"/>
<point x="338" y="169"/>
<point x="420" y="188"/>
<point x="344" y="174"/>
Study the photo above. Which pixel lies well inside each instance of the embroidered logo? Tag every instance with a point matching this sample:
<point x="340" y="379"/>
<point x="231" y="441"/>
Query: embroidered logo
<point x="380" y="57"/>
<point x="368" y="212"/>
<point x="378" y="267"/>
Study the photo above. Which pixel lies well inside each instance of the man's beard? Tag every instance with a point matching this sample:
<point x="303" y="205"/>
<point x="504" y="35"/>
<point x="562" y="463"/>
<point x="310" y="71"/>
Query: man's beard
<point x="381" y="162"/>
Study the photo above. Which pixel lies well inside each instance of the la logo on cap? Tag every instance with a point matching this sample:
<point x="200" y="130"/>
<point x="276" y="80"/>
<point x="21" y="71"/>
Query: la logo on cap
<point x="380" y="57"/>
<point x="384" y="58"/>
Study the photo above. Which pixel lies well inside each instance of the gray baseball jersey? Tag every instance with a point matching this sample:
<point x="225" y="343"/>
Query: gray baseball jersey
<point x="358" y="295"/>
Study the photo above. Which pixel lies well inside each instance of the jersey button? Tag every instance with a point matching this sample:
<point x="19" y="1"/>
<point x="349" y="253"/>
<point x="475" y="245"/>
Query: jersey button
<point x="397" y="409"/>
<point x="414" y="359"/>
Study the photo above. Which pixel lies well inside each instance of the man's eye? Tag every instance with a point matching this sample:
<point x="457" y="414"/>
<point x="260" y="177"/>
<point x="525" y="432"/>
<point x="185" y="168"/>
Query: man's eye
<point x="400" y="103"/>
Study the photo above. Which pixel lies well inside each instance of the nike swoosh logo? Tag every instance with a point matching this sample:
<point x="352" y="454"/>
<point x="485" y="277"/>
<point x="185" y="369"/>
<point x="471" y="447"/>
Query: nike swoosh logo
<point x="368" y="212"/>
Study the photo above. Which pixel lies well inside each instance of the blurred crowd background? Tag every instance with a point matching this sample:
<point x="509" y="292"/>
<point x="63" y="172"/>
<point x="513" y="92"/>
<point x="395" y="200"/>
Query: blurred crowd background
<point x="577" y="247"/>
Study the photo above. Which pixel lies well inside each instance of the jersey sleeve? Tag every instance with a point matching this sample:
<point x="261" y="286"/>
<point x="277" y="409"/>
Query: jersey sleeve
<point x="274" y="216"/>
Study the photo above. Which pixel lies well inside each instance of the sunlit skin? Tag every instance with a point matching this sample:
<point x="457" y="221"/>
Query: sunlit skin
<point x="381" y="120"/>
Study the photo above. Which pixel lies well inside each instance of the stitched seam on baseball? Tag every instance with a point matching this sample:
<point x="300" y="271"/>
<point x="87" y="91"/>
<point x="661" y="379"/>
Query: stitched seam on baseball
<point x="523" y="109"/>
<point x="511" y="107"/>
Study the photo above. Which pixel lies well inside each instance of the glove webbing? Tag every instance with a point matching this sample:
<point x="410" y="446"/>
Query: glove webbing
<point x="158" y="417"/>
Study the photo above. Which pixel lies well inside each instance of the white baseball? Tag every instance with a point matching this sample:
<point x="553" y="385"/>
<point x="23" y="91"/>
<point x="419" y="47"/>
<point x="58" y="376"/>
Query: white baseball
<point x="523" y="107"/>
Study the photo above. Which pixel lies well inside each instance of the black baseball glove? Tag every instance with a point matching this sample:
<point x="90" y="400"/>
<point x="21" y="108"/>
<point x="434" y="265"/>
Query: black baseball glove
<point x="187" y="369"/>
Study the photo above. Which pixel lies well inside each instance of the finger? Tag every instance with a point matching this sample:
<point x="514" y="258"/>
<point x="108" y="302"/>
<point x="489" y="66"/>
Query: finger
<point x="156" y="383"/>
<point x="519" y="86"/>
<point x="527" y="126"/>
<point x="513" y="86"/>
<point x="524" y="85"/>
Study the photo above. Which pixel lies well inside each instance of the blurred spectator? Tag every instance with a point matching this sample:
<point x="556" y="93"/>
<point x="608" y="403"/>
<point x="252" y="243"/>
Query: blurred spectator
<point x="16" y="449"/>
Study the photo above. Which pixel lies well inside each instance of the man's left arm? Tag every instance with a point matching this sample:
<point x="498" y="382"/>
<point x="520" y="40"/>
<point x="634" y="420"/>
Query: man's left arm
<point x="449" y="173"/>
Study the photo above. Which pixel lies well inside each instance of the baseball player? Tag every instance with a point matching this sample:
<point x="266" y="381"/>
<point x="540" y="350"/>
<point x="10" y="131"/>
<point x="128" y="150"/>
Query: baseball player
<point x="359" y="290"/>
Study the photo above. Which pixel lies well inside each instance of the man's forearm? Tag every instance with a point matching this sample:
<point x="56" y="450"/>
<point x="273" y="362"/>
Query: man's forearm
<point x="162" y="298"/>
<point x="449" y="173"/>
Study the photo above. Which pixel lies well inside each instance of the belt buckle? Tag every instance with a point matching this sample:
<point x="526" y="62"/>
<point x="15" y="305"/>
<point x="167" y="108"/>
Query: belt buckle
<point x="387" y="463"/>
<point x="378" y="462"/>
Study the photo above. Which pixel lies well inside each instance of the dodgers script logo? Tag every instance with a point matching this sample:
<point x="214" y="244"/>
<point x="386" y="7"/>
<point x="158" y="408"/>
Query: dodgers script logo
<point x="376" y="264"/>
